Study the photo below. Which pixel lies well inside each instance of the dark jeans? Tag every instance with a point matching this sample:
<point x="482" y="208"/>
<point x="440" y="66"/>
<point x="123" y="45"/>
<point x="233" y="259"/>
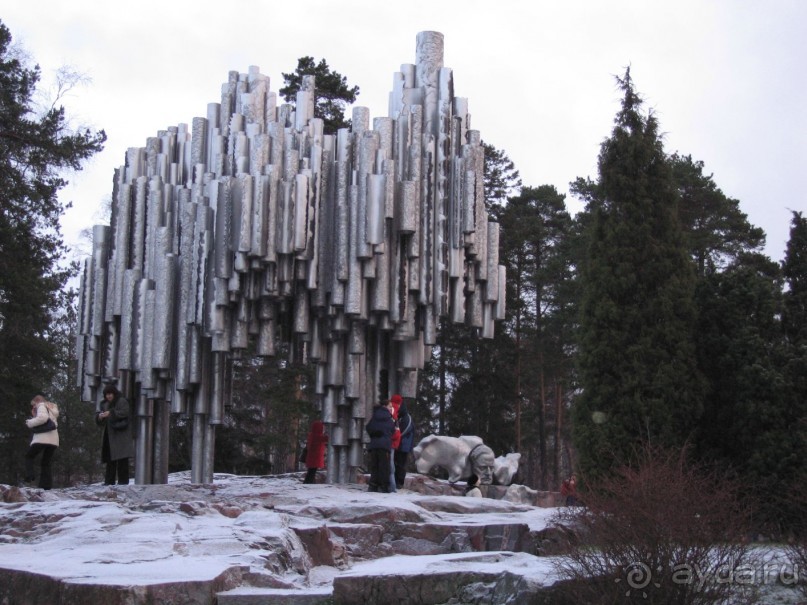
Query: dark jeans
<point x="45" y="469"/>
<point x="119" y="468"/>
<point x="310" y="476"/>
<point x="379" y="470"/>
<point x="400" y="467"/>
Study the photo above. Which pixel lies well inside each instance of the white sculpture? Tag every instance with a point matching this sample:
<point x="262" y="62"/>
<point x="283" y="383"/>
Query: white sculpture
<point x="506" y="468"/>
<point x="462" y="456"/>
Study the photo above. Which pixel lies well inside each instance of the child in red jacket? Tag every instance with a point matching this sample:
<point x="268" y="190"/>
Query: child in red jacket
<point x="394" y="405"/>
<point x="315" y="446"/>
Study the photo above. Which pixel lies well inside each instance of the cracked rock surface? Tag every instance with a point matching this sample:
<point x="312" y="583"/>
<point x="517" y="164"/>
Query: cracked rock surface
<point x="249" y="539"/>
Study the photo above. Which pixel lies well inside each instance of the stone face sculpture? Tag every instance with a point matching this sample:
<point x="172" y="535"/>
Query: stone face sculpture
<point x="461" y="456"/>
<point x="254" y="226"/>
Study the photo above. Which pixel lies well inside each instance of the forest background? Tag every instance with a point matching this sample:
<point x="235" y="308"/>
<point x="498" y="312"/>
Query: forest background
<point x="652" y="316"/>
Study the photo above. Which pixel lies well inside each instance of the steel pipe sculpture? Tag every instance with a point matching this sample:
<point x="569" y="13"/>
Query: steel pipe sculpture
<point x="355" y="244"/>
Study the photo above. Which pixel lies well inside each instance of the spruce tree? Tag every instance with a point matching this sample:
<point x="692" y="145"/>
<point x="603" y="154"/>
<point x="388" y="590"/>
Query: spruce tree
<point x="794" y="319"/>
<point x="638" y="378"/>
<point x="795" y="272"/>
<point x="35" y="153"/>
<point x="748" y="423"/>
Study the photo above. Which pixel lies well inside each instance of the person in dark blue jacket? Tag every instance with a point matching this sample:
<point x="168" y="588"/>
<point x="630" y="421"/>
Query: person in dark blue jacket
<point x="380" y="429"/>
<point x="401" y="457"/>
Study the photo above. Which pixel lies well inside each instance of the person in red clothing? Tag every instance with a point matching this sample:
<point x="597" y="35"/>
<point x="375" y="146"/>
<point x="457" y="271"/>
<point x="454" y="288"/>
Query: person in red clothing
<point x="407" y="428"/>
<point x="394" y="405"/>
<point x="315" y="447"/>
<point x="569" y="489"/>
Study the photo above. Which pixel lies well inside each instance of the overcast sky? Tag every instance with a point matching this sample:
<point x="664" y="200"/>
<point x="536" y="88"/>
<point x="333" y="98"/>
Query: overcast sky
<point x="726" y="78"/>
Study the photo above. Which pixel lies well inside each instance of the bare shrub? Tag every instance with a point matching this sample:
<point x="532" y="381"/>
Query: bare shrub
<point x="660" y="532"/>
<point x="796" y="547"/>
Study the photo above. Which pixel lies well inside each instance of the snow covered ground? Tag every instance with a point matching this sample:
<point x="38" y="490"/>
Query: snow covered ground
<point x="141" y="535"/>
<point x="149" y="534"/>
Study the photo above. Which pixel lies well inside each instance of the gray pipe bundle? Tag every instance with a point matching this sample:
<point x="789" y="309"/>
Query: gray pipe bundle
<point x="359" y="243"/>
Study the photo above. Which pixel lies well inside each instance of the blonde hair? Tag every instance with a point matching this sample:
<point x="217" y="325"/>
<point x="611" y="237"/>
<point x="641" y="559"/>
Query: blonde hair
<point x="49" y="404"/>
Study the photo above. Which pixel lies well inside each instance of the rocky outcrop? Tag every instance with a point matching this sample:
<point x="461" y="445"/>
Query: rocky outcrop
<point x="468" y="578"/>
<point x="251" y="540"/>
<point x="24" y="587"/>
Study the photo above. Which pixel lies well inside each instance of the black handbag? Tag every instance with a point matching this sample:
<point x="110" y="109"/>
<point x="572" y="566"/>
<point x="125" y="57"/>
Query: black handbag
<point x="119" y="423"/>
<point x="304" y="454"/>
<point x="44" y="428"/>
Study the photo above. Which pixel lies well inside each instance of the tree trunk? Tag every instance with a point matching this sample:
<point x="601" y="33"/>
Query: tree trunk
<point x="518" y="368"/>
<point x="542" y="425"/>
<point x="558" y="425"/>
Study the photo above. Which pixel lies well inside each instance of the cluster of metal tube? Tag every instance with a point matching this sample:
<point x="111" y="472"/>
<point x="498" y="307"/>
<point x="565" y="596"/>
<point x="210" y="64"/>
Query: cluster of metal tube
<point x="256" y="227"/>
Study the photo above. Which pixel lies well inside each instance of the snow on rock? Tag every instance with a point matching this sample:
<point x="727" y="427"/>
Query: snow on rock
<point x="243" y="537"/>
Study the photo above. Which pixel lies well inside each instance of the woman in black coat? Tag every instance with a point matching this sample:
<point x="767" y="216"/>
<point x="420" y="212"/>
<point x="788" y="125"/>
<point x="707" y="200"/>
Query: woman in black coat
<point x="380" y="429"/>
<point x="401" y="455"/>
<point x="117" y="446"/>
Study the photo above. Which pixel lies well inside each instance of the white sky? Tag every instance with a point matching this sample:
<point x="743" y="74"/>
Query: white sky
<point x="725" y="77"/>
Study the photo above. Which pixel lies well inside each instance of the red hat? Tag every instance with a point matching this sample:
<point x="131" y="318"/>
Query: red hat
<point x="396" y="400"/>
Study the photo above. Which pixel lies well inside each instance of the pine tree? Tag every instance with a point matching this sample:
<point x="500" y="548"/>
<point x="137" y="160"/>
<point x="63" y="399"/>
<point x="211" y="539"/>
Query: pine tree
<point x="268" y="419"/>
<point x="483" y="394"/>
<point x="636" y="350"/>
<point x="716" y="230"/>
<point x="502" y="180"/>
<point x="35" y="152"/>
<point x="535" y="231"/>
<point x="333" y="92"/>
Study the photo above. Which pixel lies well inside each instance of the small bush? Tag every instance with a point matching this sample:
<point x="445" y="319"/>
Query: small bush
<point x="660" y="532"/>
<point x="796" y="548"/>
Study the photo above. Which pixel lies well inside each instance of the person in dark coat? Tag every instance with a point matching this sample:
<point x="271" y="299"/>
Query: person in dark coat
<point x="116" y="447"/>
<point x="315" y="450"/>
<point x="380" y="429"/>
<point x="407" y="428"/>
<point x="472" y="487"/>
